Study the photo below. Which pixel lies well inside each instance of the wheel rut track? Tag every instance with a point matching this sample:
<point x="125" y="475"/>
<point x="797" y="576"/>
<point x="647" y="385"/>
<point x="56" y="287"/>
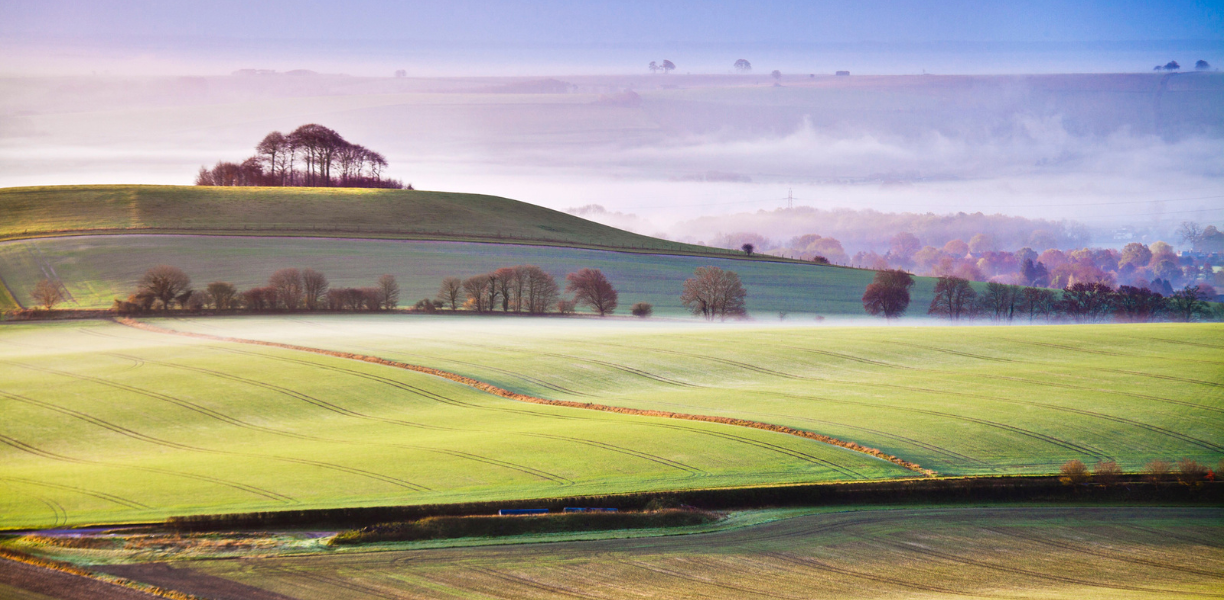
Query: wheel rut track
<point x="24" y="447"/>
<point x="536" y="400"/>
<point x="1039" y="575"/>
<point x="346" y="412"/>
<point x="222" y="417"/>
<point x="1106" y="555"/>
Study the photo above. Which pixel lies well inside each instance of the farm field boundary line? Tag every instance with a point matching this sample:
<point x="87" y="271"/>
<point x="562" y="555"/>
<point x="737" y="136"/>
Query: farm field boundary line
<point x="376" y="235"/>
<point x="504" y="393"/>
<point x="102" y="578"/>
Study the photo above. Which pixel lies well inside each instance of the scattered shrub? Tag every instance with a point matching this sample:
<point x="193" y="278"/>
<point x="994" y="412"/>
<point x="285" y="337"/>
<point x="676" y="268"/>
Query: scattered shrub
<point x="1073" y="472"/>
<point x="1191" y="472"/>
<point x="427" y="305"/>
<point x="1157" y="472"/>
<point x="642" y="309"/>
<point x="566" y="307"/>
<point x="435" y="528"/>
<point x="1106" y="473"/>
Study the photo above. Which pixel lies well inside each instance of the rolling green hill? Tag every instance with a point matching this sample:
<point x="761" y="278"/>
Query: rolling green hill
<point x="329" y="212"/>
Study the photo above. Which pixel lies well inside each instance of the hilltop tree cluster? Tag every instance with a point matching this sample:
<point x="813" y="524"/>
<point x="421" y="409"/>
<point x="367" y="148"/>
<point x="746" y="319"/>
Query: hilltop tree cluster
<point x="309" y="156"/>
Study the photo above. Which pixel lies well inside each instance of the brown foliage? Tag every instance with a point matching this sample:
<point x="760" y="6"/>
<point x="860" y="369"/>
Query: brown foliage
<point x="47" y="293"/>
<point x="164" y="283"/>
<point x="1157" y="472"/>
<point x="714" y="293"/>
<point x="1191" y="472"/>
<point x="1073" y="472"/>
<point x="289" y="288"/>
<point x="1106" y="473"/>
<point x="222" y="294"/>
<point x="591" y="288"/>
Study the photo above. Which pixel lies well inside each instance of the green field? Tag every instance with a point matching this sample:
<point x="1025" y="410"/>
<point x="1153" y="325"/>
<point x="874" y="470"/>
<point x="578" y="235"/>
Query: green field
<point x="959" y="400"/>
<point x="105" y="423"/>
<point x="98" y="269"/>
<point x="335" y="212"/>
<point x="924" y="553"/>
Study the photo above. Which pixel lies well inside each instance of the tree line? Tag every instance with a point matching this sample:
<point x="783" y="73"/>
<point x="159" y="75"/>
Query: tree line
<point x="165" y="287"/>
<point x="888" y="295"/>
<point x="310" y="156"/>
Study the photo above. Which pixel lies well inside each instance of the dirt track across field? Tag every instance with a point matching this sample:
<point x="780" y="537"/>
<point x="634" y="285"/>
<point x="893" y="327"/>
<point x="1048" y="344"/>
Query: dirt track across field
<point x="65" y="586"/>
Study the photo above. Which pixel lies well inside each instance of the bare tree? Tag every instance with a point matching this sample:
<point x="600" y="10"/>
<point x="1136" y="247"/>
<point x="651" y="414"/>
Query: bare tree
<point x="1190" y="233"/>
<point x="476" y="288"/>
<point x="954" y="298"/>
<point x="591" y="288"/>
<point x="47" y="293"/>
<point x="1106" y="473"/>
<point x="1000" y="301"/>
<point x="1037" y="302"/>
<point x="164" y="283"/>
<point x="451" y="291"/>
<point x="566" y="307"/>
<point x="388" y="292"/>
<point x="714" y="293"/>
<point x="222" y="295"/>
<point x="289" y="288"/>
<point x="539" y="289"/>
<point x="314" y="288"/>
<point x="1087" y="301"/>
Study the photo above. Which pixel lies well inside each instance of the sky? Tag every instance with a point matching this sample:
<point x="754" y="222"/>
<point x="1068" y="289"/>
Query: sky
<point x="494" y="37"/>
<point x="139" y="91"/>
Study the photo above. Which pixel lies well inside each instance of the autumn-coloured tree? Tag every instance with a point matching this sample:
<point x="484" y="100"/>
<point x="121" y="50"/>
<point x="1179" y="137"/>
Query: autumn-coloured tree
<point x="1106" y="473"/>
<point x="954" y="298"/>
<point x="450" y="292"/>
<point x="314" y="288"/>
<point x="289" y="288"/>
<point x="714" y="294"/>
<point x="260" y="298"/>
<point x="387" y="295"/>
<point x="888" y="293"/>
<point x="1073" y="472"/>
<point x="222" y="295"/>
<point x="164" y="283"/>
<point x="1157" y="472"/>
<point x="591" y="288"/>
<point x="47" y="293"/>
<point x="476" y="290"/>
<point x="1191" y="472"/>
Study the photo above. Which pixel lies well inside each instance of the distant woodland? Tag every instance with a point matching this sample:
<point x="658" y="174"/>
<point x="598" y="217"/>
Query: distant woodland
<point x="309" y="156"/>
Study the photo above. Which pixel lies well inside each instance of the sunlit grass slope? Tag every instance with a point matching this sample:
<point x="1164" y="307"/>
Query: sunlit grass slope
<point x="104" y="423"/>
<point x="960" y="400"/>
<point x="98" y="269"/>
<point x="931" y="553"/>
<point x="34" y="211"/>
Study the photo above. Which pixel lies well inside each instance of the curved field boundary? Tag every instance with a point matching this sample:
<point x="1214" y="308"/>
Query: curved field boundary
<point x="504" y="393"/>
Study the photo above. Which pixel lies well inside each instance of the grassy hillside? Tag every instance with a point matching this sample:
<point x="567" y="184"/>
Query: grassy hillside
<point x="97" y="269"/>
<point x="336" y="212"/>
<point x="104" y="423"/>
<point x="959" y="400"/>
<point x="1091" y="553"/>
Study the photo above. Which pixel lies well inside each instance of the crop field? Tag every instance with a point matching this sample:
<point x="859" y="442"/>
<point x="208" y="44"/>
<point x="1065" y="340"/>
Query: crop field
<point x="904" y="553"/>
<point x="958" y="400"/>
<point x="106" y="423"/>
<point x="36" y="211"/>
<point x="98" y="269"/>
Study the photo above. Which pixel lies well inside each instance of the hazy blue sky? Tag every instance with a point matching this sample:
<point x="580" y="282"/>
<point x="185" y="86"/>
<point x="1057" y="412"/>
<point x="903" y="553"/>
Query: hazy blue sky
<point x="486" y="37"/>
<point x="625" y="21"/>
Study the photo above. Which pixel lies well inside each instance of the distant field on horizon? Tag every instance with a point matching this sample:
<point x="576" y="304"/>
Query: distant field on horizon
<point x="98" y="269"/>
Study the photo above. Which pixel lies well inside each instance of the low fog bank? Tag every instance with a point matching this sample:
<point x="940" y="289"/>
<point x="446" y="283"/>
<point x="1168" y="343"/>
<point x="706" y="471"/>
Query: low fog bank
<point x="1099" y="159"/>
